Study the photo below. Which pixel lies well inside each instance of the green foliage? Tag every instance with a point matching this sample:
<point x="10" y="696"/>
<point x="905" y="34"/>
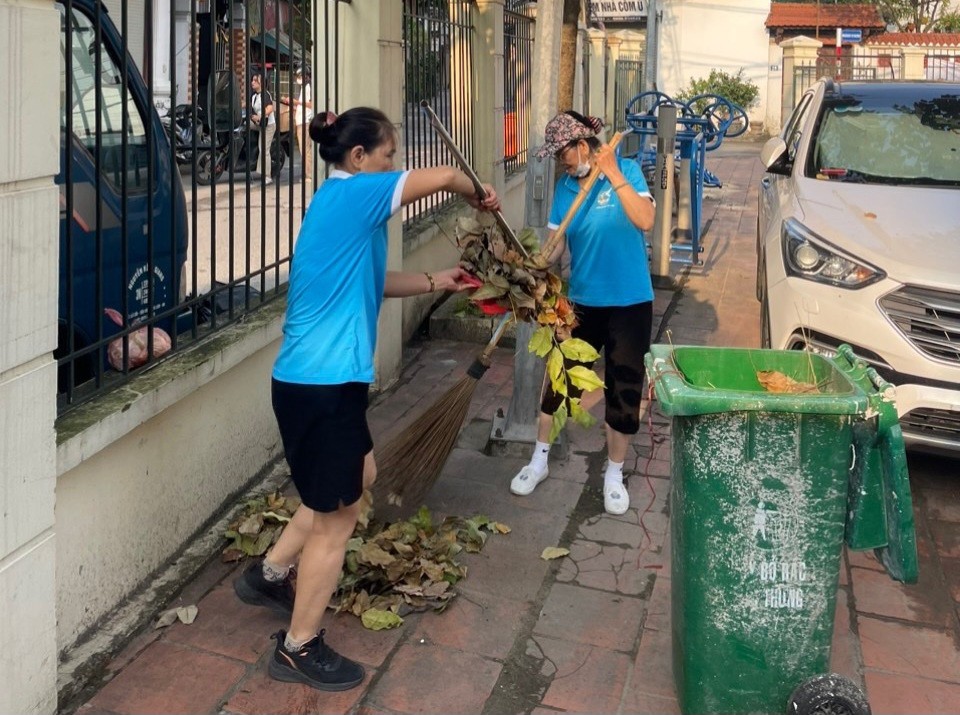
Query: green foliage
<point x="733" y="87"/>
<point x="422" y="63"/>
<point x="948" y="22"/>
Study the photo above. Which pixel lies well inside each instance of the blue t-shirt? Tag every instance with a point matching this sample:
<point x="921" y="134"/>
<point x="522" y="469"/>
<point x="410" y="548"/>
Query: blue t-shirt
<point x="337" y="274"/>
<point x="608" y="254"/>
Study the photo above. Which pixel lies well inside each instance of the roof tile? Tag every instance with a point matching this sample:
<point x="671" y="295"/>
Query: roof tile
<point x="803" y="15"/>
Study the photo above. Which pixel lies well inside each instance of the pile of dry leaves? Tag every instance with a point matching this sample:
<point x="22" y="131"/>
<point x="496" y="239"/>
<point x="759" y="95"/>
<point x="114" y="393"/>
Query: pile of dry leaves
<point x="390" y="569"/>
<point x="509" y="282"/>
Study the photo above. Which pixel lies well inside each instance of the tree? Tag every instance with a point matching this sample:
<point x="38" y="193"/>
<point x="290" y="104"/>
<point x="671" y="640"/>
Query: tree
<point x="568" y="54"/>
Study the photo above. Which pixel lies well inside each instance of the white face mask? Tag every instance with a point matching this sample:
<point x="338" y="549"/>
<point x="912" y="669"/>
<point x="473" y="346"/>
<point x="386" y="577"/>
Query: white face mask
<point x="583" y="168"/>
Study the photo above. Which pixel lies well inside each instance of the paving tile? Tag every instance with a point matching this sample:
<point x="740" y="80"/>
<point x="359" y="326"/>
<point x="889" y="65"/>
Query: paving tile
<point x="943" y="504"/>
<point x="951" y="574"/>
<point x="909" y="649"/>
<point x="864" y="560"/>
<point x="229" y="627"/>
<point x="652" y="672"/>
<point x="260" y="694"/>
<point x="485" y="571"/>
<point x="923" y="602"/>
<point x="845" y="649"/>
<point x="481" y="624"/>
<point x="947" y="537"/>
<point x="891" y="694"/>
<point x="587" y="679"/>
<point x="346" y="634"/>
<point x="608" y="568"/>
<point x="435" y="679"/>
<point x="598" y="618"/>
<point x="644" y="704"/>
<point x="169" y="678"/>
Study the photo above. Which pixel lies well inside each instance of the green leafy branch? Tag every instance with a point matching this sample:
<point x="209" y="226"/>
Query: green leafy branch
<point x="544" y="343"/>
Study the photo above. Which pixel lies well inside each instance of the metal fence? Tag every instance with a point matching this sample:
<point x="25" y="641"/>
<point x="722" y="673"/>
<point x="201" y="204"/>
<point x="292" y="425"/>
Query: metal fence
<point x="864" y="64"/>
<point x="438" y="51"/>
<point x="628" y="83"/>
<point x="167" y="225"/>
<point x="804" y="76"/>
<point x="517" y="91"/>
<point x="942" y="63"/>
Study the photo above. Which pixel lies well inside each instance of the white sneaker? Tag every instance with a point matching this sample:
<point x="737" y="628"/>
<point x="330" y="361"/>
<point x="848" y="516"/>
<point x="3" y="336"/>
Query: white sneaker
<point x="268" y="181"/>
<point x="616" y="500"/>
<point x="527" y="480"/>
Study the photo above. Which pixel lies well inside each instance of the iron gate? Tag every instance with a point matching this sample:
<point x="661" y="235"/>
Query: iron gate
<point x="628" y="83"/>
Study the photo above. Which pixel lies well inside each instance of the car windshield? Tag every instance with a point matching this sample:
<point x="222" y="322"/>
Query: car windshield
<point x="890" y="139"/>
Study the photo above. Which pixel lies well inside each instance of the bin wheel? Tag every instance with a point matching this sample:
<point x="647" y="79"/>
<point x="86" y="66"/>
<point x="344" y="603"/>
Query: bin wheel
<point x="828" y="694"/>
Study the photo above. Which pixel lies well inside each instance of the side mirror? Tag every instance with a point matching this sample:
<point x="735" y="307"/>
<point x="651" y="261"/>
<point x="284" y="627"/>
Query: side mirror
<point x="774" y="155"/>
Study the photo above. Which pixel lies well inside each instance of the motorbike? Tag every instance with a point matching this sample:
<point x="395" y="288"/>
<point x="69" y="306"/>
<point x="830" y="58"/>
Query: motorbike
<point x="239" y="148"/>
<point x="184" y="129"/>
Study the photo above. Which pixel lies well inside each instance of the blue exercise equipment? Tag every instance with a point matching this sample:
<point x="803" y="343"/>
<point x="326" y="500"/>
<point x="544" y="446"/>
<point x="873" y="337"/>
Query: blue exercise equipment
<point x="702" y="123"/>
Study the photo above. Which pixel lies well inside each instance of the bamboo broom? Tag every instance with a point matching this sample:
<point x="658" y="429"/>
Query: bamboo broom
<point x="408" y="465"/>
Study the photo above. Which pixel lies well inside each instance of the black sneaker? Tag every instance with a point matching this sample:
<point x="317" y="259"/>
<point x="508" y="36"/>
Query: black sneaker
<point x="316" y="664"/>
<point x="251" y="587"/>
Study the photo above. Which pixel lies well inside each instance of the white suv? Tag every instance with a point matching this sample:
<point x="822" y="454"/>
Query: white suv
<point x="858" y="240"/>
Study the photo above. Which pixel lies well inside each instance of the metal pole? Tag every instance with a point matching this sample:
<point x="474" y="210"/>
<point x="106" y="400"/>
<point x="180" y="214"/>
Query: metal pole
<point x="515" y="429"/>
<point x="663" y="190"/>
<point x="652" y="40"/>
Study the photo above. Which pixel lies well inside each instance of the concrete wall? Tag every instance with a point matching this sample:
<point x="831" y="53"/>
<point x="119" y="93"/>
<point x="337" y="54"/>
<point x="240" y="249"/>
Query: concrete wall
<point x="142" y="470"/>
<point x="699" y="35"/>
<point x="29" y="210"/>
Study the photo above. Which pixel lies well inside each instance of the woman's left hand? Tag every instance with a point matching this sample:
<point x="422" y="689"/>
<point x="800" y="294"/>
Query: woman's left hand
<point x="452" y="279"/>
<point x="491" y="203"/>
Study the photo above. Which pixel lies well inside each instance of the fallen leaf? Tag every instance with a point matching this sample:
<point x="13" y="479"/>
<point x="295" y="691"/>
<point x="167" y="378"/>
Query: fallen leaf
<point x="375" y="619"/>
<point x="554" y="552"/>
<point x="187" y="614"/>
<point x="776" y="382"/>
<point x="167" y="618"/>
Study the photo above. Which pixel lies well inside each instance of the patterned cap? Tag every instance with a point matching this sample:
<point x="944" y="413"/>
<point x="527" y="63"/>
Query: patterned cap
<point x="563" y="129"/>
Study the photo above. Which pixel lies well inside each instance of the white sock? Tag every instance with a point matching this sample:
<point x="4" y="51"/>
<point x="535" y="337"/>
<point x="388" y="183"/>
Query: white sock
<point x="614" y="473"/>
<point x="274" y="573"/>
<point x="292" y="646"/>
<point x="541" y="451"/>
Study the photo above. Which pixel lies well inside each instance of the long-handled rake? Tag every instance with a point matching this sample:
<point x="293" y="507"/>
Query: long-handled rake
<point x="410" y="463"/>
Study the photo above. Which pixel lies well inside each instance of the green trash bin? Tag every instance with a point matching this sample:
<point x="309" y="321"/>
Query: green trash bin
<point x="766" y="487"/>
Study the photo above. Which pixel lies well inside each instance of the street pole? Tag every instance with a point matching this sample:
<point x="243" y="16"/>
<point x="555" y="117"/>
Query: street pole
<point x="663" y="191"/>
<point x="652" y="41"/>
<point x="515" y="429"/>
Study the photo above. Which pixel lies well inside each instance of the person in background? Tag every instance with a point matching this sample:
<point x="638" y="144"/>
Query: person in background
<point x="610" y="288"/>
<point x="302" y="115"/>
<point x="264" y="120"/>
<point x="338" y="280"/>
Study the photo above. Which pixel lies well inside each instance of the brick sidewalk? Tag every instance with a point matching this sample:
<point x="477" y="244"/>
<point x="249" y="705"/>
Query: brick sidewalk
<point x="586" y="634"/>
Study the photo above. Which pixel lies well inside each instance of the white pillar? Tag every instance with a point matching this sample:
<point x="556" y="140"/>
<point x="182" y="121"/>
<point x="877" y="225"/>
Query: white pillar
<point x="913" y="62"/>
<point x="797" y="52"/>
<point x="29" y="159"/>
<point x="371" y="35"/>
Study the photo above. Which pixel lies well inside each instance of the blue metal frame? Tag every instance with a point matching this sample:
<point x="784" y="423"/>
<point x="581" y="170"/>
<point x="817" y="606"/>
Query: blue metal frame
<point x="698" y="132"/>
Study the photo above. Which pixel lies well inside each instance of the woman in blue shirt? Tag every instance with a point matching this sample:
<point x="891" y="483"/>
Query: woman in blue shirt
<point x="610" y="288"/>
<point x="338" y="279"/>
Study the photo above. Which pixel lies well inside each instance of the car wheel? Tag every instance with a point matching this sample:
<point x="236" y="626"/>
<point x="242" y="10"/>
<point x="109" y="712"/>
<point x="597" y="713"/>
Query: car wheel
<point x="209" y="168"/>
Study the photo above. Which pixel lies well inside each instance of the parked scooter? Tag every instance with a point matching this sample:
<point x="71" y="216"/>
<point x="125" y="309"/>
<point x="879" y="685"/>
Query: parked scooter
<point x="184" y="130"/>
<point x="240" y="149"/>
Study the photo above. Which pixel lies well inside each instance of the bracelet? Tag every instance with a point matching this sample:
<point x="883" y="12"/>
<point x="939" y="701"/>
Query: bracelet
<point x="620" y="186"/>
<point x="433" y="285"/>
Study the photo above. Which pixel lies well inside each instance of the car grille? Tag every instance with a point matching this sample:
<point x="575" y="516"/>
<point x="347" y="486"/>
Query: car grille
<point x="930" y="319"/>
<point x="938" y="424"/>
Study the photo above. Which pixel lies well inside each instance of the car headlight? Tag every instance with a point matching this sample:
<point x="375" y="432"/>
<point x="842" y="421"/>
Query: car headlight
<point x="808" y="256"/>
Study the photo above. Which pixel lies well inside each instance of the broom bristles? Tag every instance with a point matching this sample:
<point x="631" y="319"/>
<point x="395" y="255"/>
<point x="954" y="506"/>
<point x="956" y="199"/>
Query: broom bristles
<point x="409" y="464"/>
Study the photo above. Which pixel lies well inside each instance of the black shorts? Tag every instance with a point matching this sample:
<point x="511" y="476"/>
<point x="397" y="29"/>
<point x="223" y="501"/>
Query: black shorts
<point x="623" y="334"/>
<point x="325" y="439"/>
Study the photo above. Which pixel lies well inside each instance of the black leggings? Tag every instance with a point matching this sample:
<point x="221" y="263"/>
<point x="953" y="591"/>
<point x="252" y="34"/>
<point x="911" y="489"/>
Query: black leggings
<point x="623" y="333"/>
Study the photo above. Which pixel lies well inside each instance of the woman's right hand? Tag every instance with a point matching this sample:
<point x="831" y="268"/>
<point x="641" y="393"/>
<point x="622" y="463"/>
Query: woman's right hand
<point x="490" y="203"/>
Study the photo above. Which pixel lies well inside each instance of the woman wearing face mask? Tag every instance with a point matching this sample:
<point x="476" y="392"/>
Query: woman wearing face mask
<point x="610" y="288"/>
